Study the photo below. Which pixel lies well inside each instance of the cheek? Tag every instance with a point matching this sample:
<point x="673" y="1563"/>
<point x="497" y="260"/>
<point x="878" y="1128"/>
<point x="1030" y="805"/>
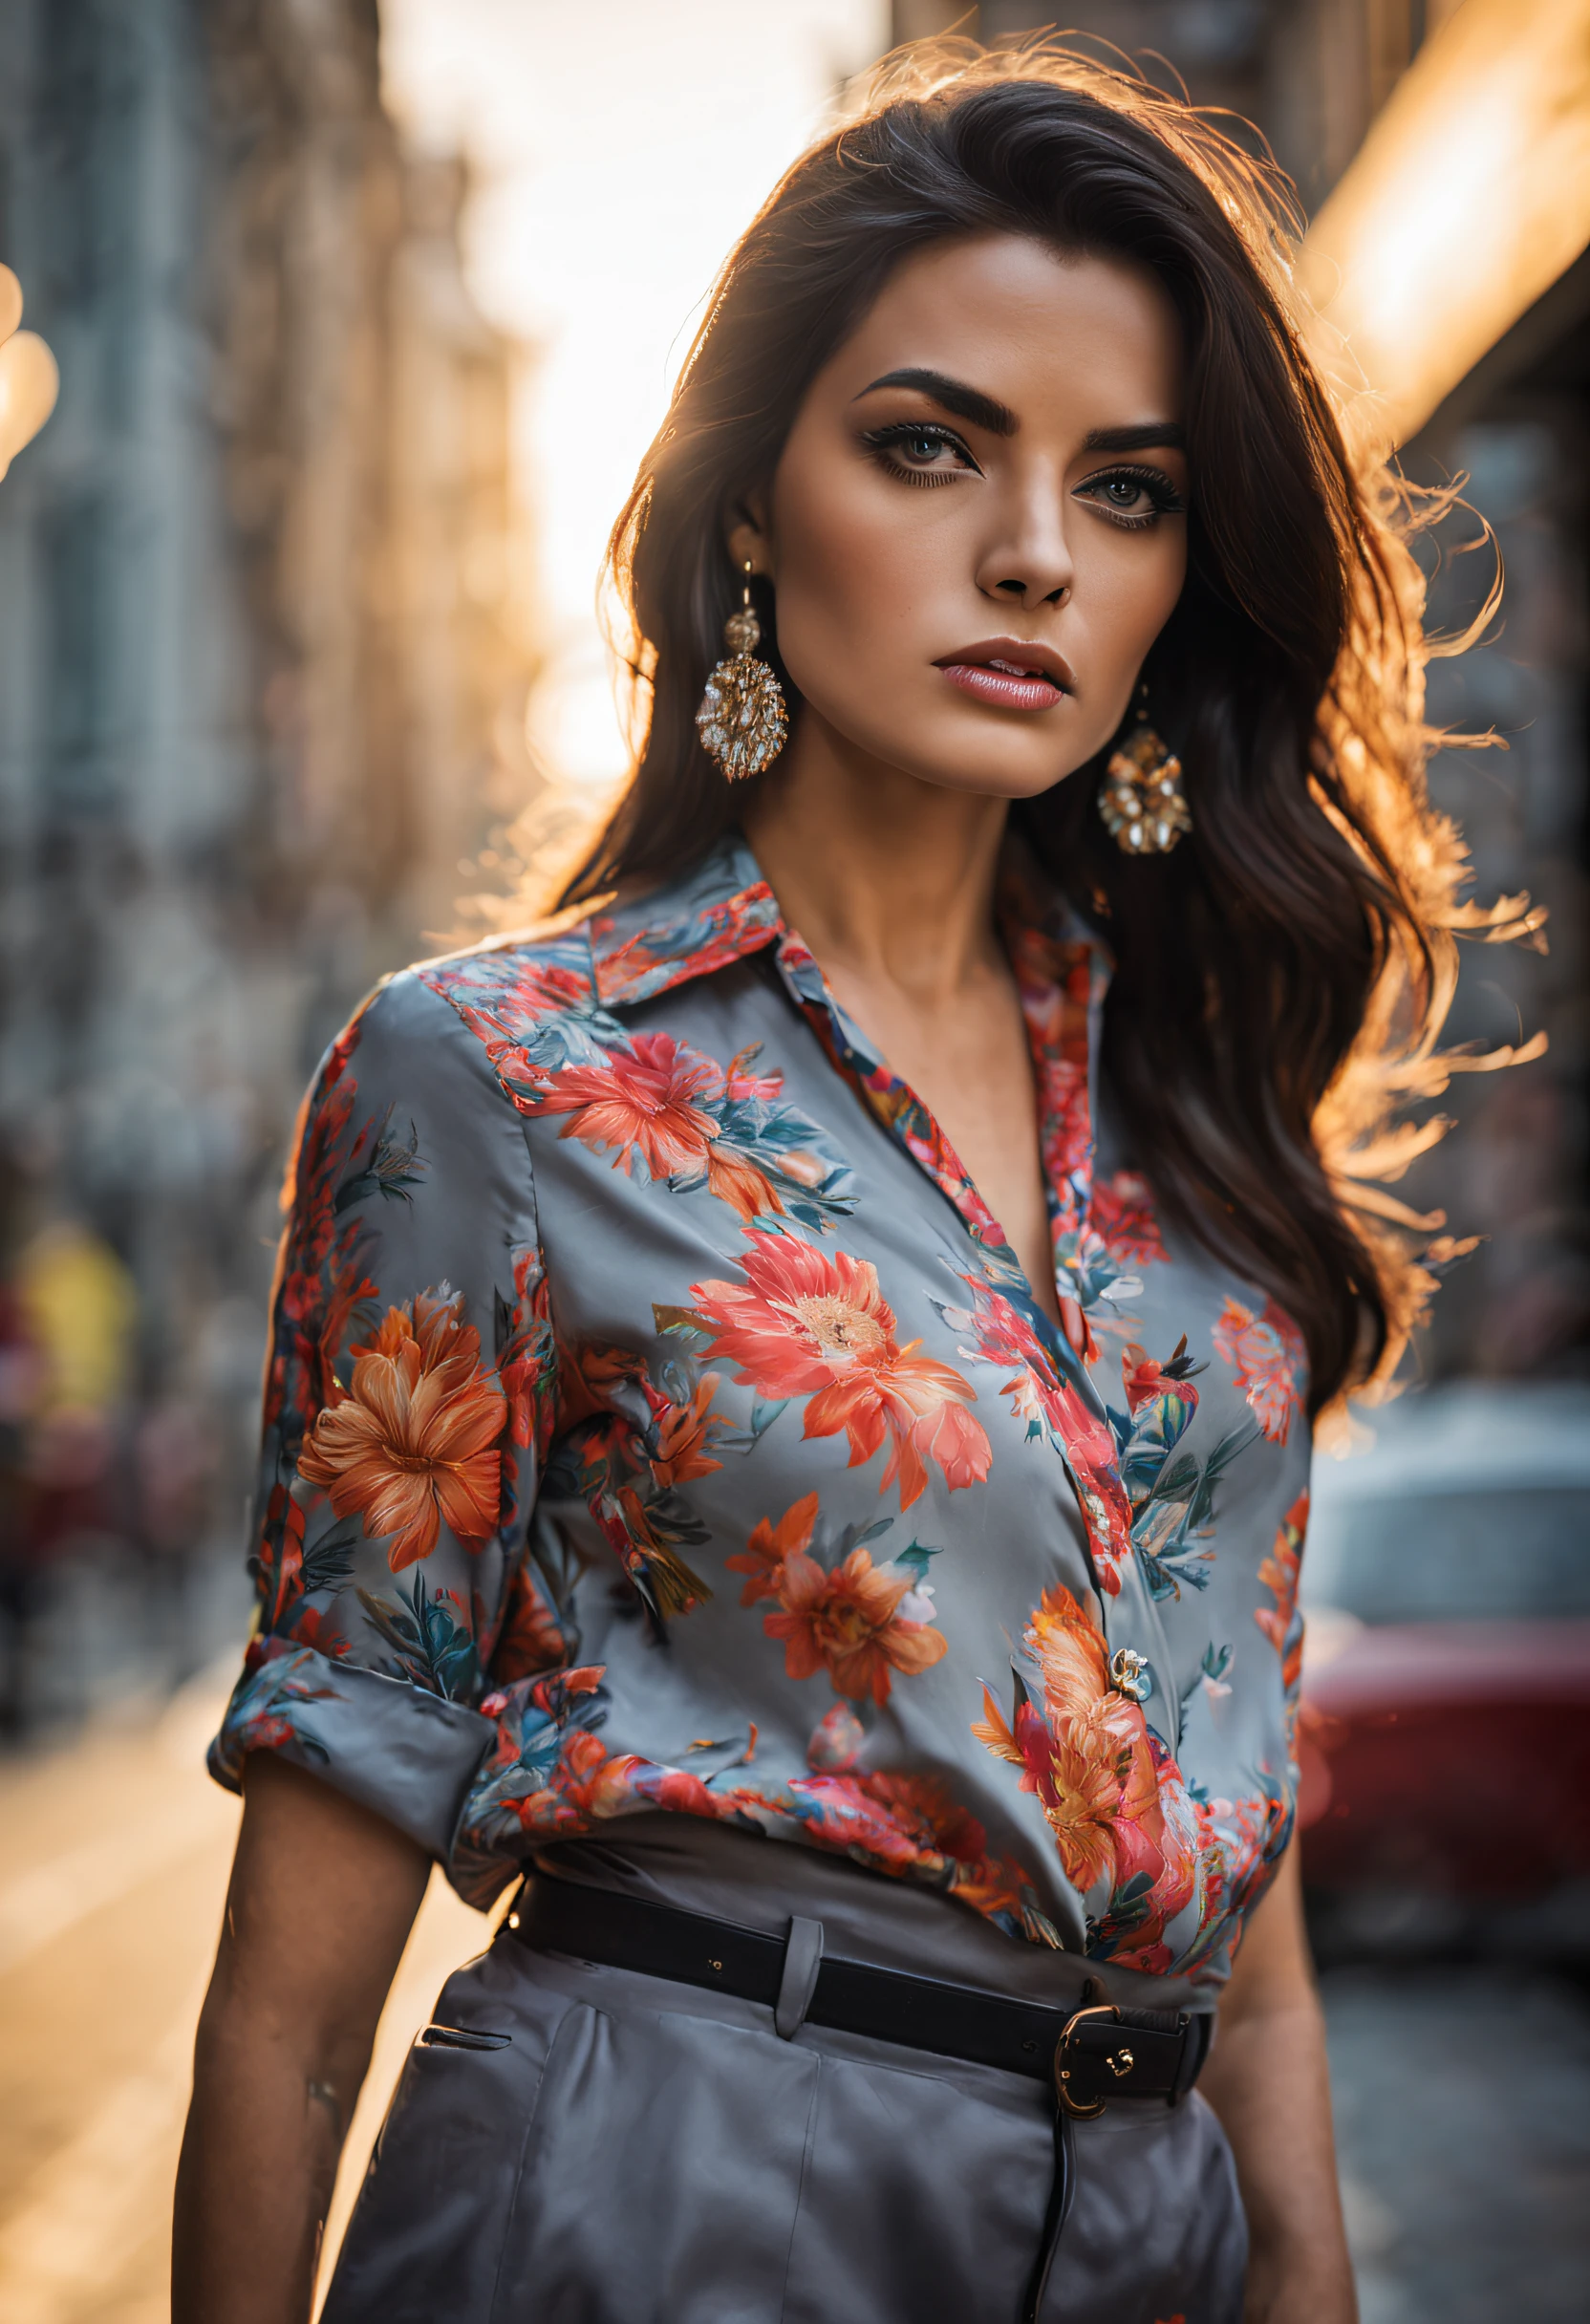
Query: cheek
<point x="1128" y="590"/>
<point x="850" y="564"/>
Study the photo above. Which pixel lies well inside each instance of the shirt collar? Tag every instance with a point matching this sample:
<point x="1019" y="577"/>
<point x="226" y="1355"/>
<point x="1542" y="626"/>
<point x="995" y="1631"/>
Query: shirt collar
<point x="723" y="909"/>
<point x="715" y="913"/>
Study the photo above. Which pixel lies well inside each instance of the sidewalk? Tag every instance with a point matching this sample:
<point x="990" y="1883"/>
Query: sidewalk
<point x="114" y="1857"/>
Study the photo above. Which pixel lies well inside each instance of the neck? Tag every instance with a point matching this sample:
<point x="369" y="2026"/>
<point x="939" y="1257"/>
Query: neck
<point x="882" y="874"/>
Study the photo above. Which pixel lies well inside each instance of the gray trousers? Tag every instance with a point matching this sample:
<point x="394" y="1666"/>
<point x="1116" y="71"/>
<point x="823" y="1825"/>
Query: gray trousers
<point x="632" y="2151"/>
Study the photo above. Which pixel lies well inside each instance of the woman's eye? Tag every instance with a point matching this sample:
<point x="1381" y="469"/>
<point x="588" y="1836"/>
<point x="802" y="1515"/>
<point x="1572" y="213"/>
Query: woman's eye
<point x="920" y="453"/>
<point x="1133" y="496"/>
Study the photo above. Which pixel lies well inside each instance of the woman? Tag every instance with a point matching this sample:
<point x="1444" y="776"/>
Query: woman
<point x="802" y="1438"/>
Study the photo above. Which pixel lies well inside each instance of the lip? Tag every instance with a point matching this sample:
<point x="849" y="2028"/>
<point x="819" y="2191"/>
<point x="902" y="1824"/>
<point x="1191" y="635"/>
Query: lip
<point x="1037" y="678"/>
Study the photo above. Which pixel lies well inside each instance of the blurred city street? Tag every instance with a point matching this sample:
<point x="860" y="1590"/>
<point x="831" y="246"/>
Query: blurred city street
<point x="1463" y="2093"/>
<point x="116" y="1853"/>
<point x="361" y="313"/>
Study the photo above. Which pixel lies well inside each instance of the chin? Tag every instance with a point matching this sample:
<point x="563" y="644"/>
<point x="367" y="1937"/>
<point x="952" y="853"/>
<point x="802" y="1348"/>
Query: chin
<point x="992" y="781"/>
<point x="988" y="772"/>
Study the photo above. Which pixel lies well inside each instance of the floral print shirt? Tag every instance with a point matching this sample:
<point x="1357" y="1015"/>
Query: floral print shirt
<point x="657" y="1418"/>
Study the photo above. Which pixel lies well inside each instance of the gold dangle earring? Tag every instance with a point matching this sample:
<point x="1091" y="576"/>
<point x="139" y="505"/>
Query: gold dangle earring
<point x="743" y="722"/>
<point x="1142" y="803"/>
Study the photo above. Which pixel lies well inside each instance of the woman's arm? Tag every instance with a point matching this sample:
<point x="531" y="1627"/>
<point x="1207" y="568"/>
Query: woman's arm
<point x="322" y="1897"/>
<point x="1267" y="2081"/>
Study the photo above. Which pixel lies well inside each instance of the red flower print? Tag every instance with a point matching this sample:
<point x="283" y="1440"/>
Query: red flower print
<point x="641" y="1102"/>
<point x="810" y="1324"/>
<point x="1045" y="1401"/>
<point x="1280" y="1573"/>
<point x="923" y="1806"/>
<point x="1123" y="1216"/>
<point x="849" y="1624"/>
<point x="668" y="1102"/>
<point x="836" y="1742"/>
<point x="1266" y="1354"/>
<point x="1144" y="1379"/>
<point x="414" y="1442"/>
<point x="908" y="1826"/>
<point x="312" y="1626"/>
<point x="528" y="1364"/>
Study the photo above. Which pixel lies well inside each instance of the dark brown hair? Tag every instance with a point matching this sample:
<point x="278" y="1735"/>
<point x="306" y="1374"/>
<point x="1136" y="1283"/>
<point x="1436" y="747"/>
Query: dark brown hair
<point x="1282" y="975"/>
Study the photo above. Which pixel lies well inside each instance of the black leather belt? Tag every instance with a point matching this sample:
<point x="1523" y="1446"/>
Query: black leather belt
<point x="1088" y="2055"/>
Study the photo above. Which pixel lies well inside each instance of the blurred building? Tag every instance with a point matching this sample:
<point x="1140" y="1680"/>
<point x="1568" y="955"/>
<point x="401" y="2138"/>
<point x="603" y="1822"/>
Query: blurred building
<point x="259" y="654"/>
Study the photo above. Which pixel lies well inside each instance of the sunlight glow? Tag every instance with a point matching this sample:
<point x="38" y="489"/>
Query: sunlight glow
<point x="618" y="148"/>
<point x="1469" y="196"/>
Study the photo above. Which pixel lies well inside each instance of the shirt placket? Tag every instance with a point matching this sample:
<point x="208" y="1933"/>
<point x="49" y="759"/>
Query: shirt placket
<point x="1128" y="1615"/>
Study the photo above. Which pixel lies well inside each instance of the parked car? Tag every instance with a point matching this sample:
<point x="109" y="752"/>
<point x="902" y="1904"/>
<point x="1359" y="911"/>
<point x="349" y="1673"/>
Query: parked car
<point x="1445" y="1731"/>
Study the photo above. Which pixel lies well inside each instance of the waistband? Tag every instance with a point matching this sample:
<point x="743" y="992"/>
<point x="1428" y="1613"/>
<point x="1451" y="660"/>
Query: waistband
<point x="1088" y="2055"/>
<point x="762" y="1883"/>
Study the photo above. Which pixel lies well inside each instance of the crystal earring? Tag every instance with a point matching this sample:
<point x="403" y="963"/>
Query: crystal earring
<point x="743" y="722"/>
<point x="1142" y="803"/>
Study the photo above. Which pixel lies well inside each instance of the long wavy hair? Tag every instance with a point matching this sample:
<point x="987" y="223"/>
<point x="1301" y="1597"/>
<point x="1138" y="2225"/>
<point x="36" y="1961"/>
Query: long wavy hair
<point x="1282" y="976"/>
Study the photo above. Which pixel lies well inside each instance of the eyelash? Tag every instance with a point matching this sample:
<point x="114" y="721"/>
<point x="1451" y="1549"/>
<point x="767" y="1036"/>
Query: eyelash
<point x="1166" y="500"/>
<point x="878" y="441"/>
<point x="1162" y="492"/>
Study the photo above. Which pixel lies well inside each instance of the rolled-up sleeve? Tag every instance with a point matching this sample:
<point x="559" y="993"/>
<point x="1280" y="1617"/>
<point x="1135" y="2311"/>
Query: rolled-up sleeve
<point x="408" y="1398"/>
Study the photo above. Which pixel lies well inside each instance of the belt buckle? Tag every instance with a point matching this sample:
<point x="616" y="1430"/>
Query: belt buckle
<point x="1084" y="2110"/>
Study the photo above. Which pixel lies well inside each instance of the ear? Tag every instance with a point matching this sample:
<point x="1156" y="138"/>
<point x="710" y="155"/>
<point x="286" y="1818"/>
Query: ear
<point x="749" y="540"/>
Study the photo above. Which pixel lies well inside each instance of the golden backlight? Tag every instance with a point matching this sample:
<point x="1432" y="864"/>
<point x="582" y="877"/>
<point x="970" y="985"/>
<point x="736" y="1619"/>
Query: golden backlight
<point x="1469" y="198"/>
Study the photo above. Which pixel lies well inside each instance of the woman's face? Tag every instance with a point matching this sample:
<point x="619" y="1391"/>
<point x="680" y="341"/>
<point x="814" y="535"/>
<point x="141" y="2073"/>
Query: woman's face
<point x="977" y="528"/>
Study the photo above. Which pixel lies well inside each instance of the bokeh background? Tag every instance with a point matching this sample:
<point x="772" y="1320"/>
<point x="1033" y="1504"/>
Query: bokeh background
<point x="362" y="316"/>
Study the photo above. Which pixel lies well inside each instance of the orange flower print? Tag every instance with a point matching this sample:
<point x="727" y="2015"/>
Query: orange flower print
<point x="1114" y="1806"/>
<point x="808" y="1323"/>
<point x="413" y="1443"/>
<point x="530" y="1639"/>
<point x="858" y="1623"/>
<point x="682" y="1436"/>
<point x="849" y="1623"/>
<point x="764" y="1553"/>
<point x="1265" y="1352"/>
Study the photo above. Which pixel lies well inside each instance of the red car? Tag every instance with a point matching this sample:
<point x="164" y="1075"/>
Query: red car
<point x="1445" y="1731"/>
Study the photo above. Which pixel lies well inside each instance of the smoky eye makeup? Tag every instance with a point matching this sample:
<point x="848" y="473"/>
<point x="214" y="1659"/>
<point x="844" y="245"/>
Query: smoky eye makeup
<point x="1131" y="495"/>
<point x="919" y="451"/>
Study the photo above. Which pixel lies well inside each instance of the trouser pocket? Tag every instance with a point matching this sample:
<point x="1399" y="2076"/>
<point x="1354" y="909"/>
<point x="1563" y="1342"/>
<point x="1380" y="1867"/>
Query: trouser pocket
<point x="427" y="2230"/>
<point x="662" y="2174"/>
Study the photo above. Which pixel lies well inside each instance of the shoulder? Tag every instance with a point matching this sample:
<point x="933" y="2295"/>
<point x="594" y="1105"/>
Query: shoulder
<point x="506" y="985"/>
<point x="472" y="1029"/>
<point x="510" y="986"/>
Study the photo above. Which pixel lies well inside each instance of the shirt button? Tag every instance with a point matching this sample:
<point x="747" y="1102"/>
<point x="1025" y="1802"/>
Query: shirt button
<point x="1129" y="1674"/>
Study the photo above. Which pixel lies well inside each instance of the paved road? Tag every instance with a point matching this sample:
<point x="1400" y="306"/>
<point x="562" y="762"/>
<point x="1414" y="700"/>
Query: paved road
<point x="1465" y="2160"/>
<point x="1463" y="2124"/>
<point x="113" y="1873"/>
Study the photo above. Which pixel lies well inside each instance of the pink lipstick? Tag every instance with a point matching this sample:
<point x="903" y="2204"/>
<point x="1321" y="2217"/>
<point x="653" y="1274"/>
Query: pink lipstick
<point x="1008" y="675"/>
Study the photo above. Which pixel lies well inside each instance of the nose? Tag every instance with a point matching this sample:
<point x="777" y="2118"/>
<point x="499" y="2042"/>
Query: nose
<point x="1027" y="561"/>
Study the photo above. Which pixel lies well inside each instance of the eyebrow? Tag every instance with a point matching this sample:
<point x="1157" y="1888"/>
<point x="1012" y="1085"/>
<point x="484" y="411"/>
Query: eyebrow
<point x="1146" y="436"/>
<point x="954" y="395"/>
<point x="987" y="412"/>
